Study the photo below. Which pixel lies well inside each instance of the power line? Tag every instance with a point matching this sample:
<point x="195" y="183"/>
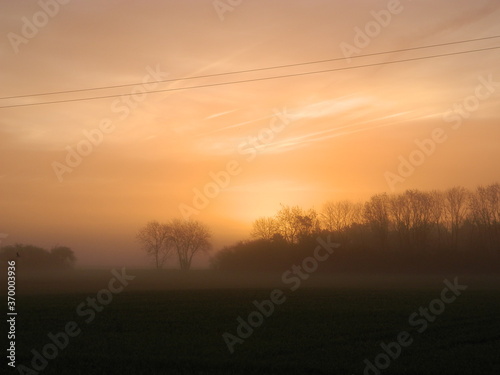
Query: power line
<point x="258" y="79"/>
<point x="252" y="70"/>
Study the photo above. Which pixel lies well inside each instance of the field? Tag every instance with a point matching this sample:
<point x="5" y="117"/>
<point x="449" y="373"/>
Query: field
<point x="316" y="330"/>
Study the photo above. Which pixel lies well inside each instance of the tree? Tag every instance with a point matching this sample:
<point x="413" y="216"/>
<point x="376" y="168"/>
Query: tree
<point x="437" y="214"/>
<point x="287" y="222"/>
<point x="34" y="257"/>
<point x="484" y="215"/>
<point x="63" y="256"/>
<point x="265" y="228"/>
<point x="376" y="214"/>
<point x="456" y="209"/>
<point x="400" y="212"/>
<point x="338" y="216"/>
<point x="154" y="238"/>
<point x="308" y="224"/>
<point x="294" y="223"/>
<point x="188" y="238"/>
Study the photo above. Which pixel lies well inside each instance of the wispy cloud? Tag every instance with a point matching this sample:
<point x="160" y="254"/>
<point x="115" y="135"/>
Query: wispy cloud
<point x="236" y="125"/>
<point x="220" y="114"/>
<point x="330" y="107"/>
<point x="323" y="135"/>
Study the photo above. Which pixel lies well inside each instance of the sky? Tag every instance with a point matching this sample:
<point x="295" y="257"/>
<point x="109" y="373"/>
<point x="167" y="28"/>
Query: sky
<point x="89" y="173"/>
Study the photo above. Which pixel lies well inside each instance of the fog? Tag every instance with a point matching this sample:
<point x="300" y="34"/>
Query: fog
<point x="91" y="281"/>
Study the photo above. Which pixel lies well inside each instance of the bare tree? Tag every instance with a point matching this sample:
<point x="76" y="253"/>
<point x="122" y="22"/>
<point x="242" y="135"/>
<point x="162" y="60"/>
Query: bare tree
<point x="288" y="222"/>
<point x="456" y="210"/>
<point x="485" y="205"/>
<point x="188" y="238"/>
<point x="484" y="213"/>
<point x="376" y="214"/>
<point x="308" y="223"/>
<point x="421" y="207"/>
<point x="400" y="214"/>
<point x="438" y="214"/>
<point x="265" y="228"/>
<point x="295" y="223"/>
<point x="336" y="216"/>
<point x="154" y="238"/>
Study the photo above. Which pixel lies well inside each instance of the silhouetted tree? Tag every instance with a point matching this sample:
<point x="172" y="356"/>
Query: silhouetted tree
<point x="376" y="214"/>
<point x="188" y="238"/>
<point x="438" y="216"/>
<point x="265" y="228"/>
<point x="63" y="256"/>
<point x="337" y="216"/>
<point x="288" y="224"/>
<point x="400" y="213"/>
<point x="154" y="238"/>
<point x="421" y="209"/>
<point x="29" y="256"/>
<point x="456" y="210"/>
<point x="295" y="223"/>
<point x="308" y="223"/>
<point x="484" y="216"/>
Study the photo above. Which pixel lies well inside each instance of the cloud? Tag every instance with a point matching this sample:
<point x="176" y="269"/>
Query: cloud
<point x="461" y="16"/>
<point x="330" y="107"/>
<point x="237" y="125"/>
<point x="219" y="114"/>
<point x="324" y="135"/>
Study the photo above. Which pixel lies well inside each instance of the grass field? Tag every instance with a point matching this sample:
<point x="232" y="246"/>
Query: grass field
<point x="315" y="331"/>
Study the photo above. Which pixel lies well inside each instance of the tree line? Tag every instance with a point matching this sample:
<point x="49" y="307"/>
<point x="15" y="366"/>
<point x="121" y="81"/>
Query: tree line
<point x="34" y="257"/>
<point x="430" y="228"/>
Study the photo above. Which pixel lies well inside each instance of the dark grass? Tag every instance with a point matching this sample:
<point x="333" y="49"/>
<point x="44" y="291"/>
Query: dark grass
<point x="316" y="331"/>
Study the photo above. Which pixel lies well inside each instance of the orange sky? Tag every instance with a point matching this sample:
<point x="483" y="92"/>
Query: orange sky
<point x="339" y="132"/>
